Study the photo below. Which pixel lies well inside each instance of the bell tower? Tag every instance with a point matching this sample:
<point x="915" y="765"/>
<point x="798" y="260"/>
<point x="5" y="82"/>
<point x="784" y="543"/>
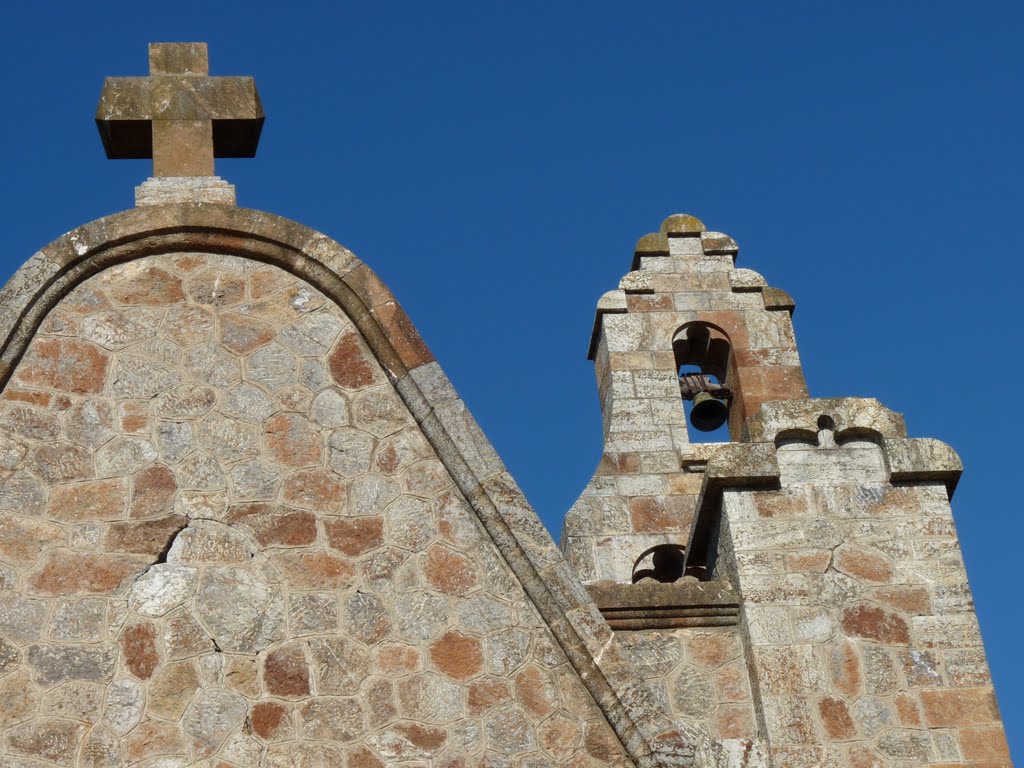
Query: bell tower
<point x="791" y="581"/>
<point x="685" y="325"/>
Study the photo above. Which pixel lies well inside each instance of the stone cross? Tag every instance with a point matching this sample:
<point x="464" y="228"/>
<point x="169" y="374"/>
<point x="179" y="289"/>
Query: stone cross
<point x="179" y="115"/>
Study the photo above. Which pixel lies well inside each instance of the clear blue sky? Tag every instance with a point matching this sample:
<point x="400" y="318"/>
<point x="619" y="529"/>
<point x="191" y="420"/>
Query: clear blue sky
<point x="495" y="163"/>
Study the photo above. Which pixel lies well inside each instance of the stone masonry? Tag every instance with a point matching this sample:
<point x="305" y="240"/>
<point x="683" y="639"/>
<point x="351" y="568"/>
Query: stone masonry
<point x="225" y="536"/>
<point x="820" y="608"/>
<point x="246" y="521"/>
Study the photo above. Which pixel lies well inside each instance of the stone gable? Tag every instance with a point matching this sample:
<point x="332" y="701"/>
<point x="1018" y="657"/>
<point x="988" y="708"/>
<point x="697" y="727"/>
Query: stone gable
<point x="227" y="538"/>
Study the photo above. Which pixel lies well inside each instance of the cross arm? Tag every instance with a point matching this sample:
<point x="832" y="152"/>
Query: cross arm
<point x="129" y="105"/>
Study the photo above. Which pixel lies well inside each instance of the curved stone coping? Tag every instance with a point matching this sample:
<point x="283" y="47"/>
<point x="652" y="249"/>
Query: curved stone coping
<point x="649" y="737"/>
<point x="55" y="270"/>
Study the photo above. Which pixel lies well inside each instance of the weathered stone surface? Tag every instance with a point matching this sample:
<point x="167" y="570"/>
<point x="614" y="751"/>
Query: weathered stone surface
<point x="243" y="612"/>
<point x="334" y="719"/>
<point x="312" y="334"/>
<point x="509" y="731"/>
<point x="243" y="335"/>
<point x="228" y="440"/>
<point x="379" y="412"/>
<point x="256" y="481"/>
<point x="269" y="720"/>
<point x="55" y="741"/>
<point x="273" y="366"/>
<point x="184" y="637"/>
<point x="305" y="755"/>
<point x="161" y="588"/>
<point x="292" y="441"/>
<point x="58" y="663"/>
<point x="79" y="620"/>
<point x="10" y="657"/>
<point x="141" y="379"/>
<point x="200" y="472"/>
<point x="285" y="672"/>
<point x="153" y="492"/>
<point x="329" y="409"/>
<point x="30" y="423"/>
<point x="341" y="665"/>
<point x="249" y="403"/>
<point x="211" y="718"/>
<point x="66" y="573"/>
<point x="366" y="618"/>
<point x="313" y="613"/>
<point x="953" y="707"/>
<point x="149" y="286"/>
<point x="273" y="524"/>
<point x="139" y="650"/>
<point x="350" y="365"/>
<point x="124" y="703"/>
<point x="411" y="523"/>
<point x="146" y="537"/>
<point x="116" y="329"/>
<point x="22" y="619"/>
<point x="356" y="536"/>
<point x="22" y="539"/>
<point x="65" y="364"/>
<point x="318" y="490"/>
<point x="153" y="737"/>
<point x="458" y="656"/>
<point x="18" y="698"/>
<point x="409" y="741"/>
<point x="862" y="564"/>
<point x="22" y="494"/>
<point x="124" y="456"/>
<point x="213" y="365"/>
<point x="349" y="451"/>
<point x="172" y="688"/>
<point x="876" y="624"/>
<point x="186" y="401"/>
<point x="316" y="570"/>
<point x="187" y="325"/>
<point x="175" y="440"/>
<point x="449" y="572"/>
<point x="241" y="674"/>
<point x="207" y="541"/>
<point x="60" y="463"/>
<point x="76" y="700"/>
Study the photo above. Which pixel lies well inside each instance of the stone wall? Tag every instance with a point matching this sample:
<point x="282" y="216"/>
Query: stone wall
<point x="862" y="635"/>
<point x="225" y="541"/>
<point x="700" y="676"/>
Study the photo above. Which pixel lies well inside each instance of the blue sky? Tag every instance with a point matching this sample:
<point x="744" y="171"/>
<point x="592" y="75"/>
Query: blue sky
<point x="496" y="162"/>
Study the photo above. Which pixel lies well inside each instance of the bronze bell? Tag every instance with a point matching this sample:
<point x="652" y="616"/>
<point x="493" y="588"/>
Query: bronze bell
<point x="708" y="412"/>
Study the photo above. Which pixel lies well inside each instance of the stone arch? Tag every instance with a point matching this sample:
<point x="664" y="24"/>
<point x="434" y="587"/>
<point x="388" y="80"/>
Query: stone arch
<point x="704" y="345"/>
<point x="55" y="271"/>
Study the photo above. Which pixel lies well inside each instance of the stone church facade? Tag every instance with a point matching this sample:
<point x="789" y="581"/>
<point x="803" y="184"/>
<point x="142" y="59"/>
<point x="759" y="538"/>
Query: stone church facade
<point x="245" y="520"/>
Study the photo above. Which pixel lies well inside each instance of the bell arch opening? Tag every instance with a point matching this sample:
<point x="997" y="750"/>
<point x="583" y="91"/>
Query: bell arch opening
<point x="704" y="362"/>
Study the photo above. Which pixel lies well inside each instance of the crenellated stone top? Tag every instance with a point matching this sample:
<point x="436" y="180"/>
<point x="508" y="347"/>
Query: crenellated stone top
<point x="683" y="225"/>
